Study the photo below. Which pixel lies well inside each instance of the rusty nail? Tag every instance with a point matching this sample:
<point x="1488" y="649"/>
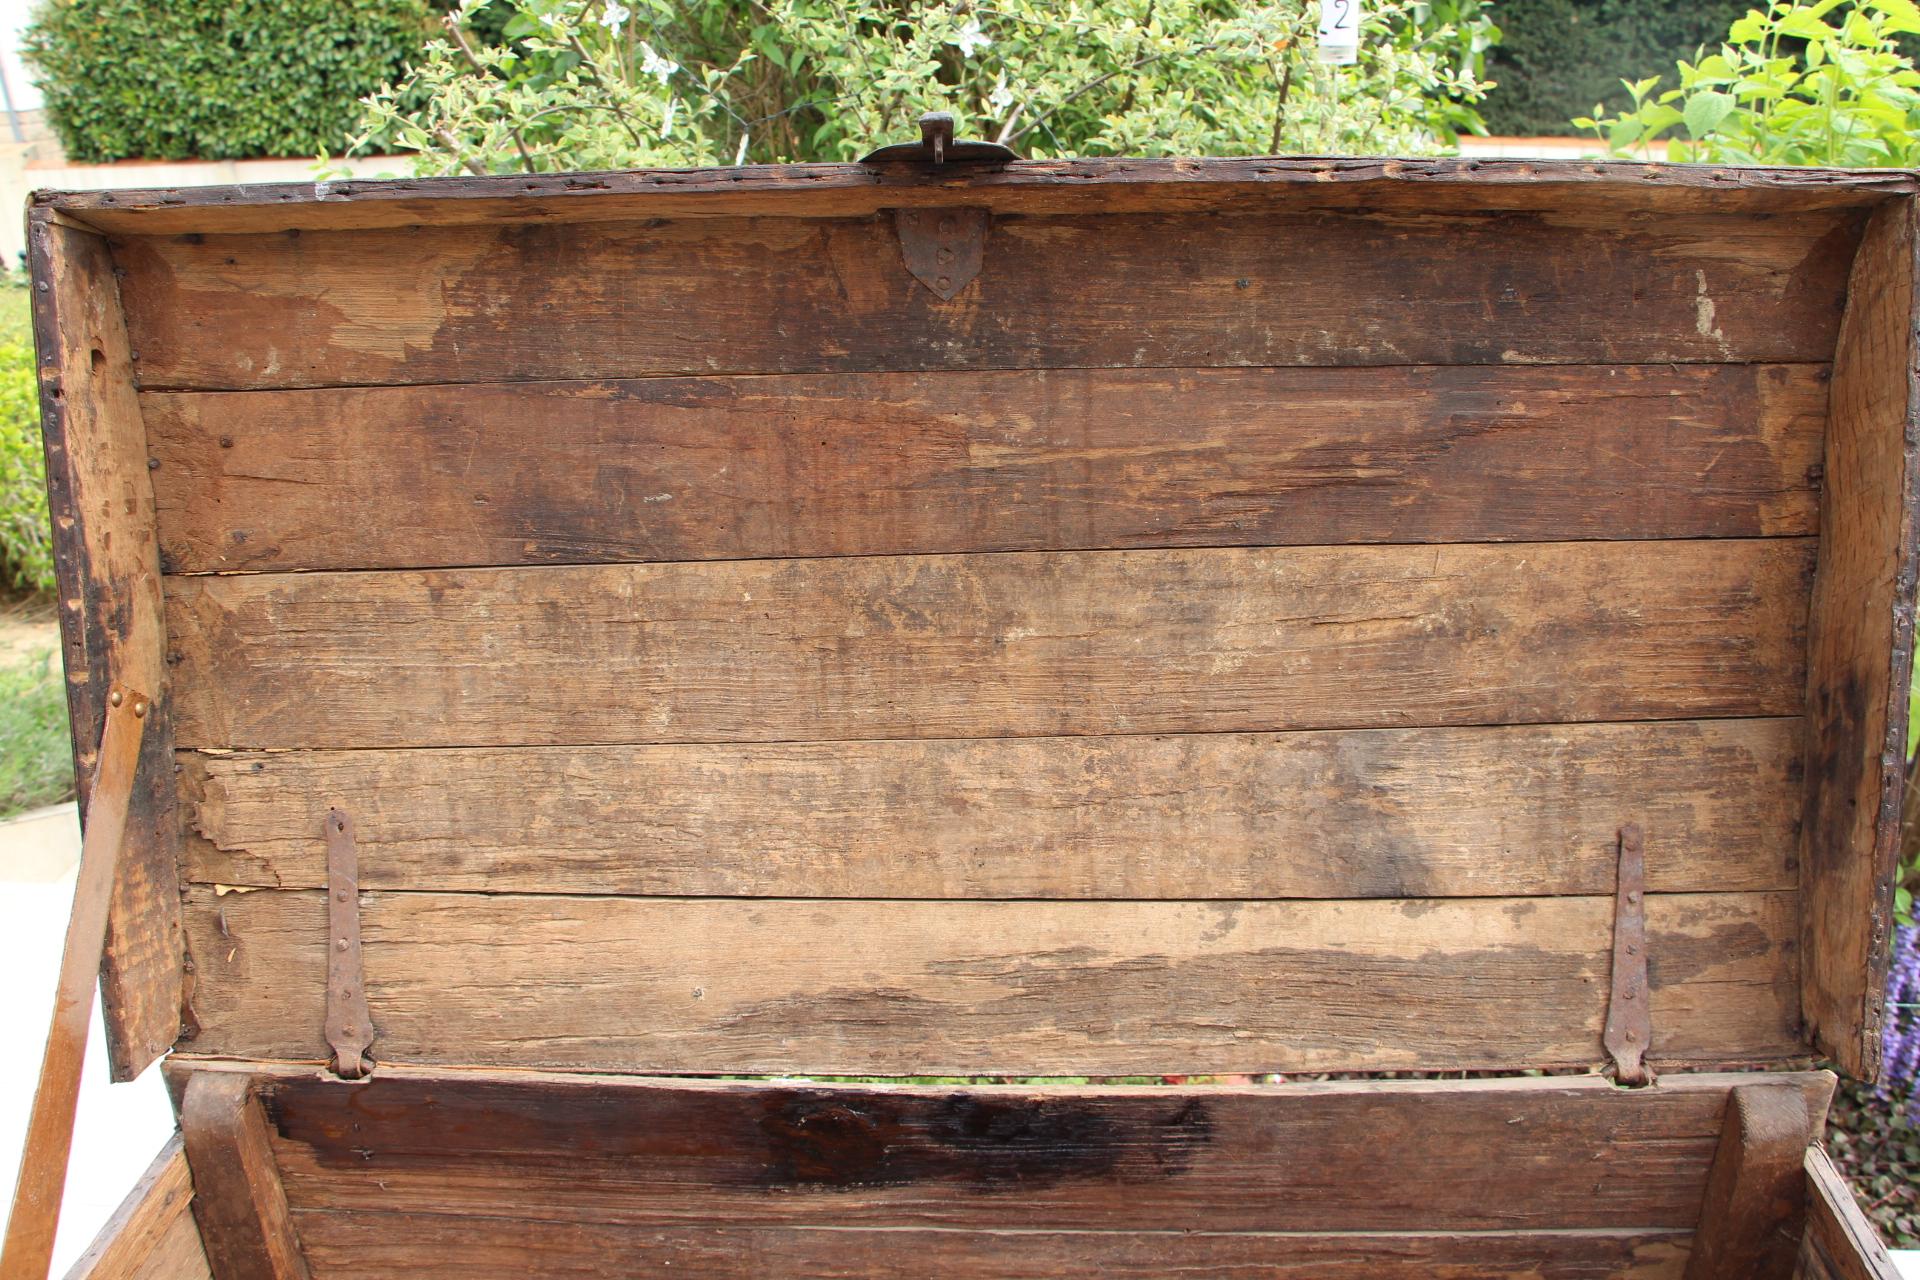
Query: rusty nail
<point x="115" y="698"/>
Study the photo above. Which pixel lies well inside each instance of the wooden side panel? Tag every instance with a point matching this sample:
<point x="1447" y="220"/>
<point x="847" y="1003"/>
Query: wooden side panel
<point x="152" y="1235"/>
<point x="110" y="616"/>
<point x="987" y="645"/>
<point x="862" y="464"/>
<point x="1366" y="1156"/>
<point x="431" y="304"/>
<point x="1840" y="1243"/>
<point x="1755" y="1210"/>
<point x="375" y="1246"/>
<point x="968" y="988"/>
<point x="1860" y="651"/>
<point x="1477" y="812"/>
<point x="238" y="1200"/>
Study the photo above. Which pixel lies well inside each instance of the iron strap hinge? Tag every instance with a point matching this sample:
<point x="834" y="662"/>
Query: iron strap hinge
<point x="1629" y="1030"/>
<point x="349" y="1027"/>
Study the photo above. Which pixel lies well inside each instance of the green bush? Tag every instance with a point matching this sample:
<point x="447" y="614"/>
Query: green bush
<point x="26" y="548"/>
<point x="1557" y="58"/>
<point x="170" y="79"/>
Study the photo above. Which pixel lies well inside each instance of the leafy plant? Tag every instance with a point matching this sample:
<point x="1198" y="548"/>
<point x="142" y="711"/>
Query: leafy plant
<point x="177" y="78"/>
<point x="540" y="85"/>
<point x="1821" y="83"/>
<point x="36" y="758"/>
<point x="1557" y="58"/>
<point x="26" y="549"/>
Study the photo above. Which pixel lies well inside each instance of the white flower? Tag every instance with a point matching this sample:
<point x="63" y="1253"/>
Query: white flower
<point x="970" y="39"/>
<point x="615" y="17"/>
<point x="654" y="65"/>
<point x="1002" y="97"/>
<point x="666" y="123"/>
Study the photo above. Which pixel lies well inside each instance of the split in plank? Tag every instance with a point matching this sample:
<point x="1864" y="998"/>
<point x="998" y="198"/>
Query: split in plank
<point x="863" y="464"/>
<point x="462" y="304"/>
<point x="984" y="988"/>
<point x="1030" y="644"/>
<point x="1484" y="811"/>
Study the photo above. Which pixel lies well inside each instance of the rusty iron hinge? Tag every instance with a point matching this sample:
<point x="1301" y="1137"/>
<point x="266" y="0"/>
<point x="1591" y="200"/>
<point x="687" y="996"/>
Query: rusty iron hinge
<point x="1629" y="1031"/>
<point x="349" y="1028"/>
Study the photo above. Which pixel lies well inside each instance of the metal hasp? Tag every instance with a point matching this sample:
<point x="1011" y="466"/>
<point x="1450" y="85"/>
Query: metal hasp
<point x="349" y="1027"/>
<point x="943" y="248"/>
<point x="937" y="146"/>
<point x="1629" y="1031"/>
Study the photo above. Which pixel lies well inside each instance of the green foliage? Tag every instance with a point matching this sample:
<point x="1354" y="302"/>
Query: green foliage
<point x="36" y="755"/>
<point x="1795" y="83"/>
<point x="178" y="78"/>
<point x="1558" y="58"/>
<point x="595" y="84"/>
<point x="26" y="548"/>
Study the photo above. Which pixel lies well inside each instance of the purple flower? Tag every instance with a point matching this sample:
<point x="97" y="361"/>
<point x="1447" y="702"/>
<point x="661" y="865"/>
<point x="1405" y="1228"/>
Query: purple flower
<point x="1900" y="1032"/>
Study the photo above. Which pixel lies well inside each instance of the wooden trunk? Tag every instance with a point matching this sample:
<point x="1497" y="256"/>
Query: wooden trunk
<point x="1241" y="630"/>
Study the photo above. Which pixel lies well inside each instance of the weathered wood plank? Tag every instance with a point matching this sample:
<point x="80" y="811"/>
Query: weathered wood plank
<point x="1038" y="186"/>
<point x="855" y="464"/>
<point x="1346" y="1156"/>
<point x="237" y="1198"/>
<point x="1841" y="1243"/>
<point x="110" y="616"/>
<point x="1756" y="1201"/>
<point x="1368" y="813"/>
<point x="151" y="1236"/>
<point x="427" y="304"/>
<point x="379" y="1245"/>
<point x="1860" y="651"/>
<point x="990" y="645"/>
<point x="966" y="988"/>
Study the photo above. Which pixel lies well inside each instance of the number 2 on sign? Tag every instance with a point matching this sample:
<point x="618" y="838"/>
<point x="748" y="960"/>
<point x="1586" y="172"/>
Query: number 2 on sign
<point x="1340" y="31"/>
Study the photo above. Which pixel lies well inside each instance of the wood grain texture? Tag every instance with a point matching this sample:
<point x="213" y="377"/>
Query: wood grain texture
<point x="430" y="304"/>
<point x="1366" y="813"/>
<point x="1860" y="651"/>
<point x="238" y="1200"/>
<point x="991" y="645"/>
<point x="1840" y="1244"/>
<point x="1756" y="1200"/>
<point x="348" y="1246"/>
<point x="1037" y="186"/>
<point x="857" y="464"/>
<point x="971" y="988"/>
<point x="151" y="1236"/>
<point x="108" y="574"/>
<point x="1352" y="1156"/>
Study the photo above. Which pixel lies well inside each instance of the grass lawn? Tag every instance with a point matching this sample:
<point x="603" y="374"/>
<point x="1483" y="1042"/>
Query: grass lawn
<point x="36" y="760"/>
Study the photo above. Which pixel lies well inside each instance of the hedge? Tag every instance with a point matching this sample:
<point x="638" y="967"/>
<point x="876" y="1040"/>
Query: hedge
<point x="169" y="79"/>
<point x="1560" y="57"/>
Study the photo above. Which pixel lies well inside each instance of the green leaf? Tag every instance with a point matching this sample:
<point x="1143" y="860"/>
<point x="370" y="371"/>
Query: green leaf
<point x="1705" y="111"/>
<point x="1901" y="15"/>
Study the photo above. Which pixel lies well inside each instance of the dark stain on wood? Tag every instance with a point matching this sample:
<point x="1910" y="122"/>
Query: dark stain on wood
<point x="985" y="1143"/>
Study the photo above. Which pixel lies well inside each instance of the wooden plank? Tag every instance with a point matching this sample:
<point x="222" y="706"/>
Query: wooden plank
<point x="859" y="464"/>
<point x="238" y="1200"/>
<point x="1860" y="652"/>
<point x="427" y="304"/>
<point x="151" y="1236"/>
<point x="1341" y="1156"/>
<point x="1038" y="186"/>
<point x="110" y="616"/>
<point x="1755" y="1210"/>
<point x="379" y="1245"/>
<point x="1486" y="811"/>
<point x="982" y="646"/>
<point x="1840" y="1243"/>
<point x="803" y="986"/>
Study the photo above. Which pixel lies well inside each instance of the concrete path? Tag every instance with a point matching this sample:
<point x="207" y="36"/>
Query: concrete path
<point x="121" y="1126"/>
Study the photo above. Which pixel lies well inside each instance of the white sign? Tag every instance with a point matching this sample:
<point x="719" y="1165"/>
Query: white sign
<point x="1340" y="31"/>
